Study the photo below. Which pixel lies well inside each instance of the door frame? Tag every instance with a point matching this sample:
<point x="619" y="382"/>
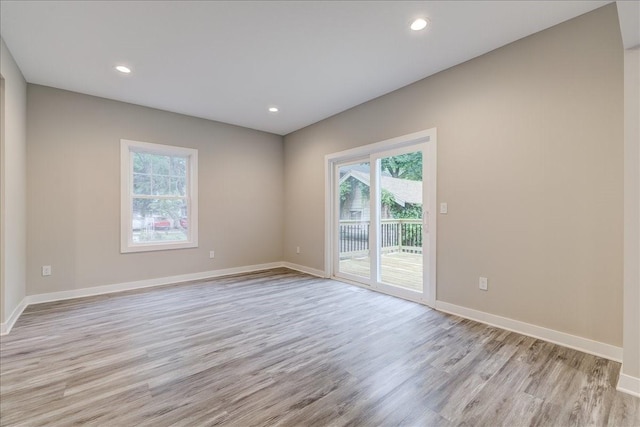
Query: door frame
<point x="427" y="137"/>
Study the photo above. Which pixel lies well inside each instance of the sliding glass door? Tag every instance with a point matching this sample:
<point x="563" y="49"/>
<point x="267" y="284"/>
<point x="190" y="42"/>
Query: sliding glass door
<point x="354" y="217"/>
<point x="400" y="204"/>
<point x="380" y="220"/>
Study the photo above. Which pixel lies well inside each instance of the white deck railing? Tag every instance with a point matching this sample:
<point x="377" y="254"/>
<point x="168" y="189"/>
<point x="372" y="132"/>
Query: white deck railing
<point x="396" y="235"/>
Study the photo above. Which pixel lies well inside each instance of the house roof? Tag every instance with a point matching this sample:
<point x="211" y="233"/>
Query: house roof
<point x="403" y="190"/>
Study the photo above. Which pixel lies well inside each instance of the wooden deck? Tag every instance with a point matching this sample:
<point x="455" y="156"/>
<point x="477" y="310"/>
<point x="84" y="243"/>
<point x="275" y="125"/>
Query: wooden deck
<point x="398" y="268"/>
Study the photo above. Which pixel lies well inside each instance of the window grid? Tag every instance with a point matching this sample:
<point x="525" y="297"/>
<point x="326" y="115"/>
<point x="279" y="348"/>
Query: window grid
<point x="160" y="210"/>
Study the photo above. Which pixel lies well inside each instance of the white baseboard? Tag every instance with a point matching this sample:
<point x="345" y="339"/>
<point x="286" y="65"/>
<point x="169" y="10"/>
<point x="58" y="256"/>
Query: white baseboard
<point x="140" y="284"/>
<point x="304" y="269"/>
<point x="5" y="327"/>
<point x="628" y="384"/>
<point x="585" y="345"/>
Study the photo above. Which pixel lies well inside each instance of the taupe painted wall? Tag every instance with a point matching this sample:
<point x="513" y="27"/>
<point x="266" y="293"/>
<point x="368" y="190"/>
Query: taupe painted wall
<point x="74" y="200"/>
<point x="14" y="163"/>
<point x="530" y="161"/>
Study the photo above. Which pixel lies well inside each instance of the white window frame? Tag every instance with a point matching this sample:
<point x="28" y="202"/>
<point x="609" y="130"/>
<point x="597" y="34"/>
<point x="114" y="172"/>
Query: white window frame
<point x="127" y="147"/>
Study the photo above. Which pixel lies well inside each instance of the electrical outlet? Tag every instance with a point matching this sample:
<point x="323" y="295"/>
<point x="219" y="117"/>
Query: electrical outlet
<point x="46" y="270"/>
<point x="297" y="249"/>
<point x="483" y="283"/>
<point x="444" y="208"/>
<point x="212" y="254"/>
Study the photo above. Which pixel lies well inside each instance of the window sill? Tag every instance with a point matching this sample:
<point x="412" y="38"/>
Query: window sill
<point x="151" y="247"/>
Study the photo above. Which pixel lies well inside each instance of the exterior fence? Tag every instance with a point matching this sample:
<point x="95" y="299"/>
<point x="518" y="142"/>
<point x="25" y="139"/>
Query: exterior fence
<point x="396" y="235"/>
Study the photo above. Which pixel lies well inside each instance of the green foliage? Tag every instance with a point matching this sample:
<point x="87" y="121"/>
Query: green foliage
<point x="159" y="175"/>
<point x="409" y="211"/>
<point x="411" y="235"/>
<point x="387" y="198"/>
<point x="155" y="174"/>
<point x="348" y="188"/>
<point x="405" y="166"/>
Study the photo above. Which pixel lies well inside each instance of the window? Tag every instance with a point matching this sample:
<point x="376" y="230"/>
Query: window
<point x="159" y="197"/>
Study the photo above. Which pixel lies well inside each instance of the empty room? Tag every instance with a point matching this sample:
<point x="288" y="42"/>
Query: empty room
<point x="320" y="213"/>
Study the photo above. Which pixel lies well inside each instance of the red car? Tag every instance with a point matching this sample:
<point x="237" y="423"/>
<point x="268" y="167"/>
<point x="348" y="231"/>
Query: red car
<point x="161" y="223"/>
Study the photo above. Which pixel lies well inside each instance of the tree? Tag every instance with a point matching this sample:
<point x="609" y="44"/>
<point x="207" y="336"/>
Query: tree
<point x="405" y="166"/>
<point x="348" y="188"/>
<point x="159" y="175"/>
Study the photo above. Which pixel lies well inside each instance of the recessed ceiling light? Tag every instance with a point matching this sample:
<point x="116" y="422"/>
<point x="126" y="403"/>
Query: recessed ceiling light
<point x="273" y="109"/>
<point x="419" y="24"/>
<point x="123" y="69"/>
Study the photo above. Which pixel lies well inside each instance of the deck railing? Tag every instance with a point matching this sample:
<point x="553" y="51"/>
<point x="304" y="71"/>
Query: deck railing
<point x="396" y="235"/>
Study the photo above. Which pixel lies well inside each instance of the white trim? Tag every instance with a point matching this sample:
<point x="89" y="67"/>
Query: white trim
<point x="5" y="327"/>
<point x="432" y="221"/>
<point x="427" y="135"/>
<point x="584" y="345"/>
<point x="631" y="242"/>
<point x="628" y="384"/>
<point x="375" y="209"/>
<point x="407" y="296"/>
<point x="3" y="248"/>
<point x="329" y="180"/>
<point x="304" y="269"/>
<point x="140" y="284"/>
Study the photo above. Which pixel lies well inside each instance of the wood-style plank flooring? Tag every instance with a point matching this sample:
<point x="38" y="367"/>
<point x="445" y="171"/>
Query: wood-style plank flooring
<point x="280" y="348"/>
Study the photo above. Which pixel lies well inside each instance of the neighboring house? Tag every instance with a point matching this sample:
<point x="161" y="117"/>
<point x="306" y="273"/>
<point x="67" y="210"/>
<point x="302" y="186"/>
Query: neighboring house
<point x="355" y="206"/>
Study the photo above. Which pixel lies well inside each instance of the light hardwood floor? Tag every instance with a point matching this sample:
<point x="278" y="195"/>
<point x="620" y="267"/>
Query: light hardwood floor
<point x="284" y="348"/>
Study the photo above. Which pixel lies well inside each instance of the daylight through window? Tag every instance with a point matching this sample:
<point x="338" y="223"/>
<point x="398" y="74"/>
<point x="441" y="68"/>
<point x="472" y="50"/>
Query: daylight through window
<point x="159" y="197"/>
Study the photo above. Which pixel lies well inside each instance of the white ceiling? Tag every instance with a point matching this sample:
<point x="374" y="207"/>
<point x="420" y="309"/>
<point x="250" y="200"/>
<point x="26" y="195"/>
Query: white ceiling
<point x="228" y="61"/>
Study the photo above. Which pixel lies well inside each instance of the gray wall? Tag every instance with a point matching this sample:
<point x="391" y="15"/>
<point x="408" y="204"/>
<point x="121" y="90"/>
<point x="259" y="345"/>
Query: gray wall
<point x="530" y="161"/>
<point x="74" y="199"/>
<point x="13" y="163"/>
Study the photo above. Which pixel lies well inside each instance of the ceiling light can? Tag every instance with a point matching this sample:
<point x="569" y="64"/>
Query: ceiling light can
<point x="419" y="24"/>
<point x="123" y="69"/>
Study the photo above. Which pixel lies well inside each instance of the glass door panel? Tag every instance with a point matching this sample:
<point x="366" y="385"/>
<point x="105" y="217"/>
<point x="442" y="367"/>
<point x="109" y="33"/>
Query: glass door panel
<point x="354" y="220"/>
<point x="381" y="232"/>
<point x="400" y="230"/>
